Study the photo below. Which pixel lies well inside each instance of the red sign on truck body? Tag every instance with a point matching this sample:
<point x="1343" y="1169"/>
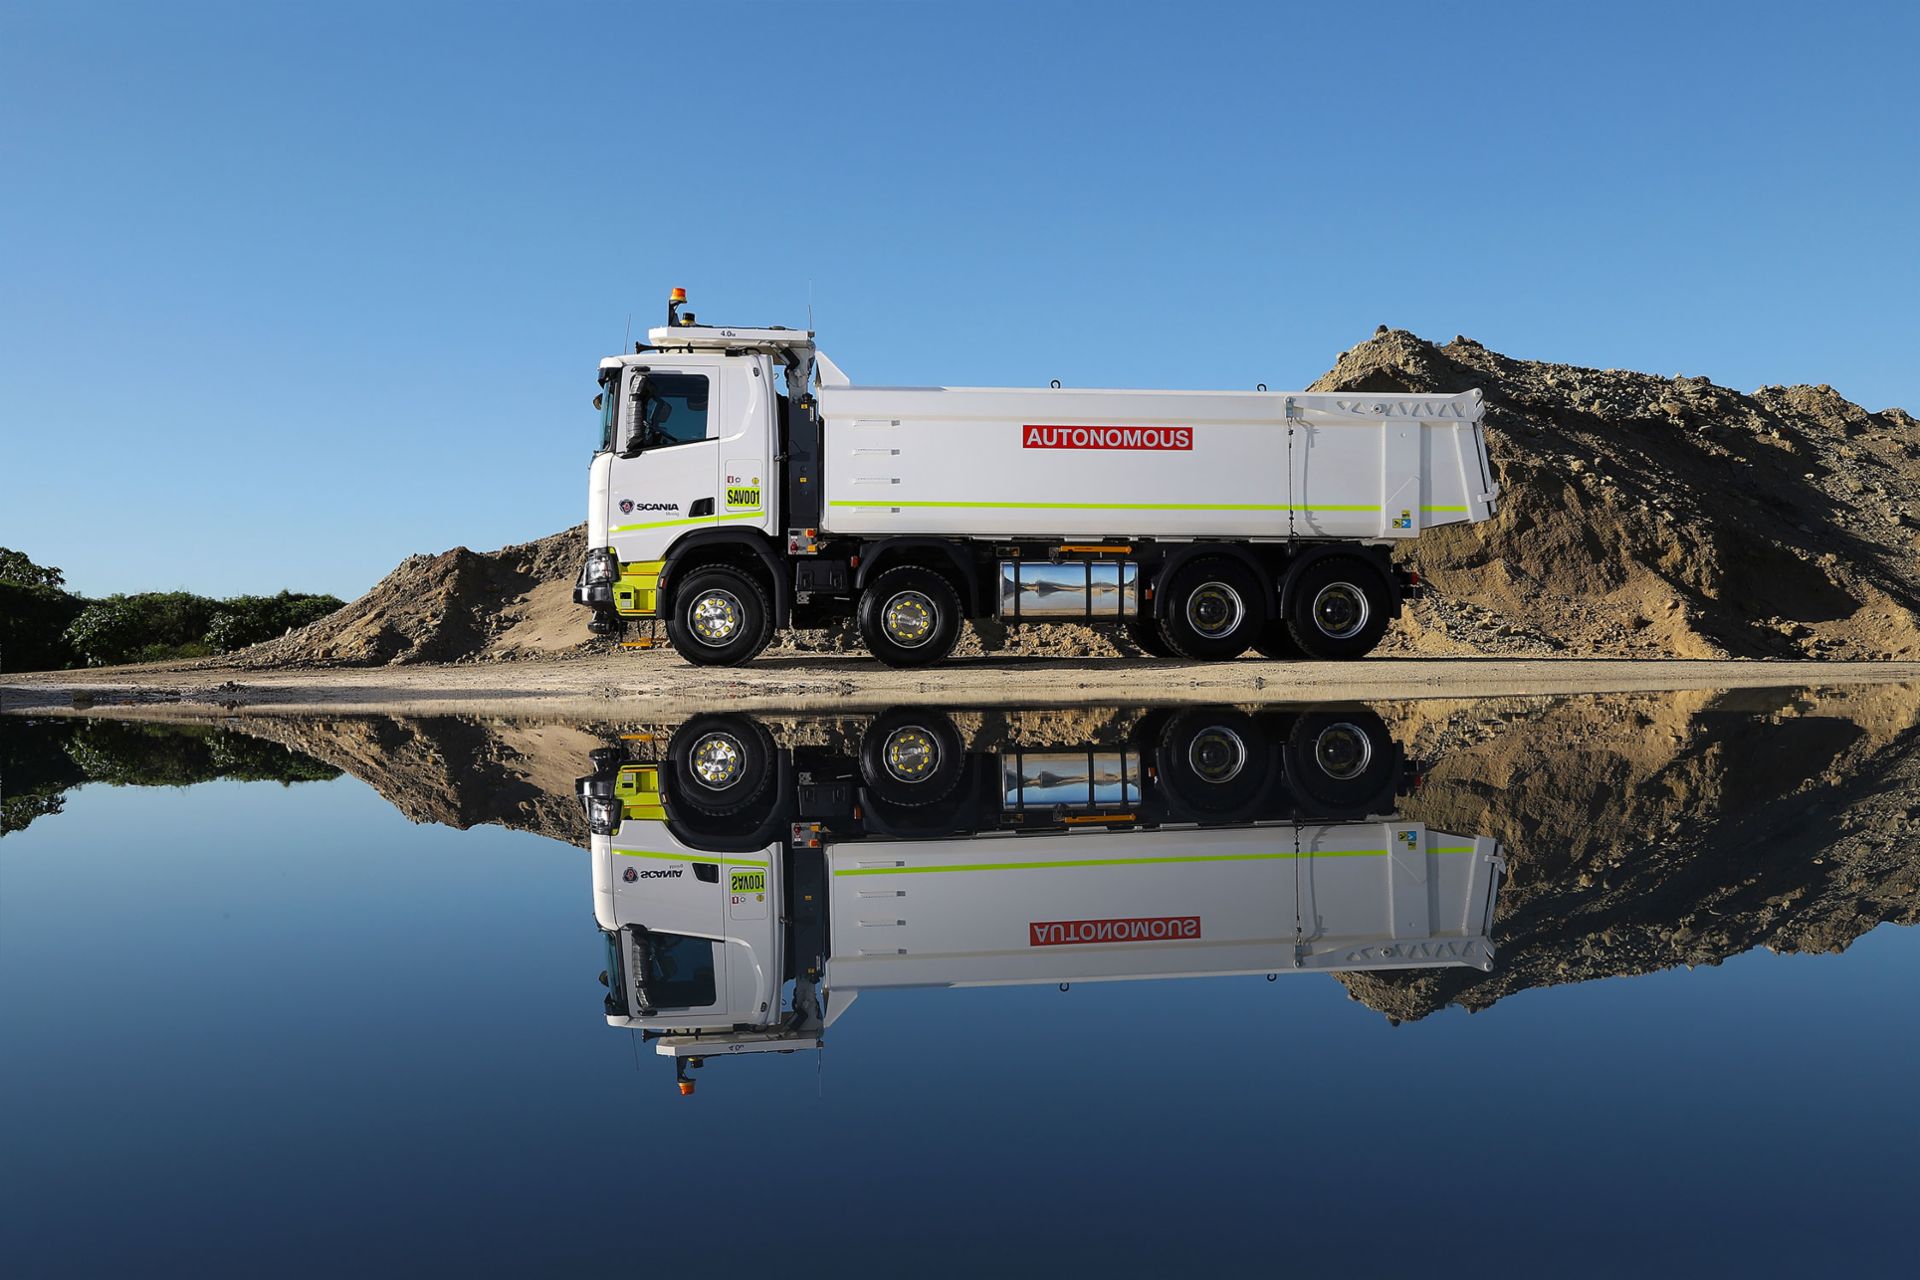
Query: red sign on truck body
<point x="1049" y="437"/>
<point x="1061" y="933"/>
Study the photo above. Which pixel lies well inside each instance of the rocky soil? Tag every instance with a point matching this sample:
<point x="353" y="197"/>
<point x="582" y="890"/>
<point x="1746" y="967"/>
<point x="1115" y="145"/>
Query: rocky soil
<point x="1641" y="516"/>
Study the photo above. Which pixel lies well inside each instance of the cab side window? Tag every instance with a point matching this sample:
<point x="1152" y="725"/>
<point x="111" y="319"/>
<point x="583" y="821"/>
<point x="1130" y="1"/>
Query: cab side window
<point x="680" y="971"/>
<point x="672" y="410"/>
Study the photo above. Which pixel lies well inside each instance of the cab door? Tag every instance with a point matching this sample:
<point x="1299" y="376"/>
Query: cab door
<point x="744" y="431"/>
<point x="663" y="482"/>
<point x="676" y="894"/>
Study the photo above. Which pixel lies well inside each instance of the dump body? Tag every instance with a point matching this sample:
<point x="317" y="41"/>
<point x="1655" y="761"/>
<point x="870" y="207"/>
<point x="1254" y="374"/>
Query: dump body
<point x="1094" y="906"/>
<point x="1006" y="463"/>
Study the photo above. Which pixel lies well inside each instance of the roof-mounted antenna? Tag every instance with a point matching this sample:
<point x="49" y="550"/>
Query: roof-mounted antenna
<point x="809" y="306"/>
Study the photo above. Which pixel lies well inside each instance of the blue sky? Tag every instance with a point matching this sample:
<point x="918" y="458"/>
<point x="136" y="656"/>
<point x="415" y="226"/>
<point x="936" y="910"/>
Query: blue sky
<point x="288" y="292"/>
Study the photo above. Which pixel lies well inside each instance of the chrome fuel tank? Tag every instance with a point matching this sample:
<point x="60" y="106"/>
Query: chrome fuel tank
<point x="1086" y="590"/>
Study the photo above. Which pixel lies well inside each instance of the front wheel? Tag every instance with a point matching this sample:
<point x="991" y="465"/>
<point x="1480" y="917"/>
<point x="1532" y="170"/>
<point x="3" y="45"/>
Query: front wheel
<point x="909" y="616"/>
<point x="720" y="764"/>
<point x="1337" y="607"/>
<point x="720" y="617"/>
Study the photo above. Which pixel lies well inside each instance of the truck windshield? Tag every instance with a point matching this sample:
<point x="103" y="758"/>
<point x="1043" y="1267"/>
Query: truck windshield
<point x="672" y="410"/>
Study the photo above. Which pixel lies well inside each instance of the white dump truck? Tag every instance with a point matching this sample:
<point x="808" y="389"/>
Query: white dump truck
<point x="1204" y="522"/>
<point x="1209" y="842"/>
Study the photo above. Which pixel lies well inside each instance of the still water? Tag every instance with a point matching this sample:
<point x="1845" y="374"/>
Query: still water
<point x="1569" y="986"/>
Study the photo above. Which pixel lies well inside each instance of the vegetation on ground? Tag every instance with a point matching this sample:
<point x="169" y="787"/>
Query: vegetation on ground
<point x="44" y="627"/>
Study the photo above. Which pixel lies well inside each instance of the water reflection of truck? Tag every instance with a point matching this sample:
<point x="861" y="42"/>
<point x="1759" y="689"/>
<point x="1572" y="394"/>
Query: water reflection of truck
<point x="1208" y="842"/>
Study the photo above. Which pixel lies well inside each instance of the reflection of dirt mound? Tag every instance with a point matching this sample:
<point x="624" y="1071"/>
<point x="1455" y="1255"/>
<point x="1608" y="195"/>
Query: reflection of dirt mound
<point x="457" y="772"/>
<point x="1646" y="832"/>
<point x="1640" y="515"/>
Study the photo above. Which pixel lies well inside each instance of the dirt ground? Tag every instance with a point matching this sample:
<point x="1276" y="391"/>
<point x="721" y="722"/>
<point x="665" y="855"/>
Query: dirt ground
<point x="633" y="683"/>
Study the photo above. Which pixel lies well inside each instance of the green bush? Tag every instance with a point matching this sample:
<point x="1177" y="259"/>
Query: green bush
<point x="245" y="620"/>
<point x="146" y="627"/>
<point x="33" y="626"/>
<point x="43" y="627"/>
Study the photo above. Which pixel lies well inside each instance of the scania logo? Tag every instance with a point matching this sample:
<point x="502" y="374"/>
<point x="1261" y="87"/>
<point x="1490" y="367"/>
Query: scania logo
<point x="671" y="873"/>
<point x="628" y="506"/>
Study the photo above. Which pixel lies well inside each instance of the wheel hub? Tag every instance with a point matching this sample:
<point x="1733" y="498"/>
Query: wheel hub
<point x="908" y="619"/>
<point x="1341" y="610"/>
<point x="1214" y="609"/>
<point x="714" y="617"/>
<point x="716" y="760"/>
<point x="1342" y="751"/>
<point x="1217" y="754"/>
<point x="910" y="754"/>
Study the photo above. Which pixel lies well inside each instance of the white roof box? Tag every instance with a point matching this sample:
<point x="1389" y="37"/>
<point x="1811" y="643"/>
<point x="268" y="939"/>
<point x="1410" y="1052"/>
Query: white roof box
<point x="714" y="337"/>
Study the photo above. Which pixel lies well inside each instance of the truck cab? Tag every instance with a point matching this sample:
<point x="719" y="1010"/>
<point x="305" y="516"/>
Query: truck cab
<point x="750" y="891"/>
<point x="688" y="449"/>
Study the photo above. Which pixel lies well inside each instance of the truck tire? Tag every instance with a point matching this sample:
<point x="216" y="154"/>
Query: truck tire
<point x="1145" y="634"/>
<point x="720" y="617"/>
<point x="1277" y="642"/>
<point x="1337" y="607"/>
<point x="1215" y="608"/>
<point x="912" y="758"/>
<point x="909" y="616"/>
<point x="1339" y="762"/>
<point x="721" y="764"/>
<point x="1212" y="764"/>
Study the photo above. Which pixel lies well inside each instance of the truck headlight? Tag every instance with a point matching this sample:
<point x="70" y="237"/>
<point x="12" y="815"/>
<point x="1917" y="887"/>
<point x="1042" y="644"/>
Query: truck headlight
<point x="601" y="567"/>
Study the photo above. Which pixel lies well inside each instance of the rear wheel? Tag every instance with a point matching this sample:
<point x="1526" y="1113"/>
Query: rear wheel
<point x="1339" y="760"/>
<point x="1215" y="607"/>
<point x="1277" y="642"/>
<point x="720" y="617"/>
<point x="1145" y="634"/>
<point x="910" y="616"/>
<point x="1337" y="607"/>
<point x="1213" y="763"/>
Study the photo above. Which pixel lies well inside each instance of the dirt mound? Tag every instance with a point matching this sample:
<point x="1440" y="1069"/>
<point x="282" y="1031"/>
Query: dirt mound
<point x="457" y="606"/>
<point x="1648" y="516"/>
<point x="1640" y="516"/>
